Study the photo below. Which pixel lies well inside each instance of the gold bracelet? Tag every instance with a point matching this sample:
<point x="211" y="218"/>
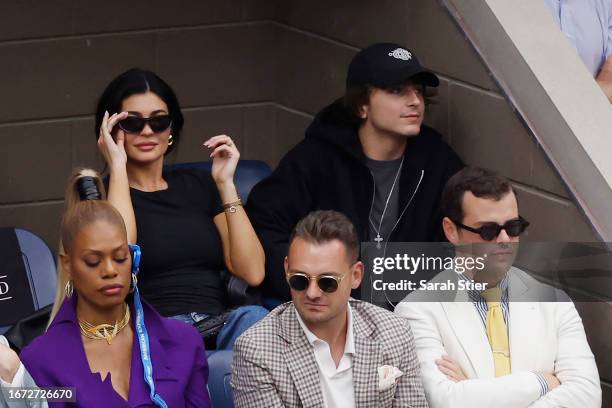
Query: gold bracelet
<point x="233" y="206"/>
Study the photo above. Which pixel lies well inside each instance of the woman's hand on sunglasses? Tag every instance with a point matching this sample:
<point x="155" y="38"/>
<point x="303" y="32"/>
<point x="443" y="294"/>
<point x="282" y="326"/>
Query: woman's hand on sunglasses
<point x="225" y="157"/>
<point x="113" y="150"/>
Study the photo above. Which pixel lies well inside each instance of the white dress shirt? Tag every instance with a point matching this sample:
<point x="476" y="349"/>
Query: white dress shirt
<point x="336" y="382"/>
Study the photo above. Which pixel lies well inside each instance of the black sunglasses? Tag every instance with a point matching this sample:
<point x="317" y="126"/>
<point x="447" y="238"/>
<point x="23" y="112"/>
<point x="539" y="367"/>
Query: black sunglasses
<point x="135" y="124"/>
<point x="327" y="283"/>
<point x="490" y="230"/>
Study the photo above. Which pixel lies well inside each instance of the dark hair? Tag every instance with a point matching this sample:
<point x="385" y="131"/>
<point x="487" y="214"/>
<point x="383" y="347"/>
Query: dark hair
<point x="327" y="225"/>
<point x="481" y="182"/>
<point x="82" y="206"/>
<point x="356" y="96"/>
<point x="137" y="81"/>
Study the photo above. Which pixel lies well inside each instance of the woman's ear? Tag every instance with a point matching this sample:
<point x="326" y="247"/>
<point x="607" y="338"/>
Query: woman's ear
<point x="65" y="262"/>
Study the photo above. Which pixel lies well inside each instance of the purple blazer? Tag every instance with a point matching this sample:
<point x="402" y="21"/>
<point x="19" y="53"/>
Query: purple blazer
<point x="180" y="369"/>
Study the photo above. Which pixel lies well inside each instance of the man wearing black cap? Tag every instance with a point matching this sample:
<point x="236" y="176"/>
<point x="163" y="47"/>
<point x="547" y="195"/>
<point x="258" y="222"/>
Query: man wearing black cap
<point x="366" y="155"/>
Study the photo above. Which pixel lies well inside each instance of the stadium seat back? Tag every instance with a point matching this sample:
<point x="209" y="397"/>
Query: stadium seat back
<point x="40" y="269"/>
<point x="220" y="371"/>
<point x="248" y="173"/>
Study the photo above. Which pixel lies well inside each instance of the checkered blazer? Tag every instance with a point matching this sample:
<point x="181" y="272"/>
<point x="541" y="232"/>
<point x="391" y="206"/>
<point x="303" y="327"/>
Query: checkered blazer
<point x="274" y="364"/>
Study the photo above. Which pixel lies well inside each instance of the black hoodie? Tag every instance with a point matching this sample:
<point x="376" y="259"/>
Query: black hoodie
<point x="327" y="171"/>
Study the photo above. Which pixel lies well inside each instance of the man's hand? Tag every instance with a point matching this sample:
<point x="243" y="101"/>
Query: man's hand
<point x="9" y="363"/>
<point x="450" y="369"/>
<point x="553" y="382"/>
<point x="604" y="78"/>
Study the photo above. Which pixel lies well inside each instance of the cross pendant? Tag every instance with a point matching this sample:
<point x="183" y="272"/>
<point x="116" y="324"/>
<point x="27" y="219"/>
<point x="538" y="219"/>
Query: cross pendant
<point x="378" y="240"/>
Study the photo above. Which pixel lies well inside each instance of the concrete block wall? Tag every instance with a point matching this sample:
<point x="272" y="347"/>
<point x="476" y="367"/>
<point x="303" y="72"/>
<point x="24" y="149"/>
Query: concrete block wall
<point x="59" y="55"/>
<point x="258" y="70"/>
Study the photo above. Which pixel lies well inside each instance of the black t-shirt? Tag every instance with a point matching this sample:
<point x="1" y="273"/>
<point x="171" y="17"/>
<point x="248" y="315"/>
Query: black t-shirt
<point x="384" y="173"/>
<point x="182" y="253"/>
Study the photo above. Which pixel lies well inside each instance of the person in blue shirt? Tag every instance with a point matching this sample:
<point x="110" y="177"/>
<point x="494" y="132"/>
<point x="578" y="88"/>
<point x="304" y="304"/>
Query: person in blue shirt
<point x="587" y="24"/>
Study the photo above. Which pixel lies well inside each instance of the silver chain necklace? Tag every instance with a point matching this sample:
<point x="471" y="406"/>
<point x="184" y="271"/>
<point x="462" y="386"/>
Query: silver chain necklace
<point x="378" y="238"/>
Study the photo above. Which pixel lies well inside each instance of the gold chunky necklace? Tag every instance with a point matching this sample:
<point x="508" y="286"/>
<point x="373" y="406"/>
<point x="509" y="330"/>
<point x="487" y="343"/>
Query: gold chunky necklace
<point x="104" y="331"/>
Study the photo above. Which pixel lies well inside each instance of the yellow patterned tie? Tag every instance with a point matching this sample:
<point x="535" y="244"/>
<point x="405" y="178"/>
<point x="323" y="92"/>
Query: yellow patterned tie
<point x="497" y="331"/>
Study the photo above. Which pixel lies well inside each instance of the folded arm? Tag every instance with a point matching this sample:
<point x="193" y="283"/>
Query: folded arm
<point x="409" y="392"/>
<point x="574" y="366"/>
<point x="511" y="391"/>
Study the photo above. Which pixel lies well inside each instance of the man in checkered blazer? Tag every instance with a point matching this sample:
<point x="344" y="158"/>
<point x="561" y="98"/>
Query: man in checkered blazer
<point x="324" y="349"/>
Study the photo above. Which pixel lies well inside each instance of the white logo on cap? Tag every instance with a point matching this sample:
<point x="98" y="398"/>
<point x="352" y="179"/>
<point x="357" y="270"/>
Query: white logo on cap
<point x="401" y="53"/>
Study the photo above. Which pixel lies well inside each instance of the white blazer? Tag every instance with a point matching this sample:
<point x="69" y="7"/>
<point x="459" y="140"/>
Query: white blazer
<point x="545" y="337"/>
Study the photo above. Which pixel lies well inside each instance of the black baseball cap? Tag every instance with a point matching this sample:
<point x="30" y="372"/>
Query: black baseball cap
<point x="387" y="65"/>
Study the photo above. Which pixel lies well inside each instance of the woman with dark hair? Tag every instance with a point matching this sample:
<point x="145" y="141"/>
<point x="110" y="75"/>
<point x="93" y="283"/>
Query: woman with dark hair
<point x="190" y="225"/>
<point x="112" y="348"/>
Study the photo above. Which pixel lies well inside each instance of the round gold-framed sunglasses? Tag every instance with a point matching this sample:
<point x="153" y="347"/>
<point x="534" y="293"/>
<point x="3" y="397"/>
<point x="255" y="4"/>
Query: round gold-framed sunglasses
<point x="327" y="283"/>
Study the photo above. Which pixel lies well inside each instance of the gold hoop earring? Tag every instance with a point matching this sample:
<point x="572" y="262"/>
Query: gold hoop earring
<point x="134" y="283"/>
<point x="69" y="288"/>
<point x="170" y="141"/>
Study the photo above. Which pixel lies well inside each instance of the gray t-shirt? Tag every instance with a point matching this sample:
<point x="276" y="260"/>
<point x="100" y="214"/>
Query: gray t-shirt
<point x="384" y="173"/>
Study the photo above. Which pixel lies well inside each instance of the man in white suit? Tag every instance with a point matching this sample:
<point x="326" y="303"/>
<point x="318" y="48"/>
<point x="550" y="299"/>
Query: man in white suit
<point x="524" y="348"/>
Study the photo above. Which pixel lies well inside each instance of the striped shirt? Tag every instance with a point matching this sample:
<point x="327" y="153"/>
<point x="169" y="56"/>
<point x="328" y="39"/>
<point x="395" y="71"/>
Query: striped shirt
<point x="481" y="304"/>
<point x="482" y="308"/>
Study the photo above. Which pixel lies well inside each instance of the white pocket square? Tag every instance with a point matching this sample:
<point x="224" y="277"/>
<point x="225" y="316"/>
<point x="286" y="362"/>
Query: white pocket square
<point x="387" y="376"/>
